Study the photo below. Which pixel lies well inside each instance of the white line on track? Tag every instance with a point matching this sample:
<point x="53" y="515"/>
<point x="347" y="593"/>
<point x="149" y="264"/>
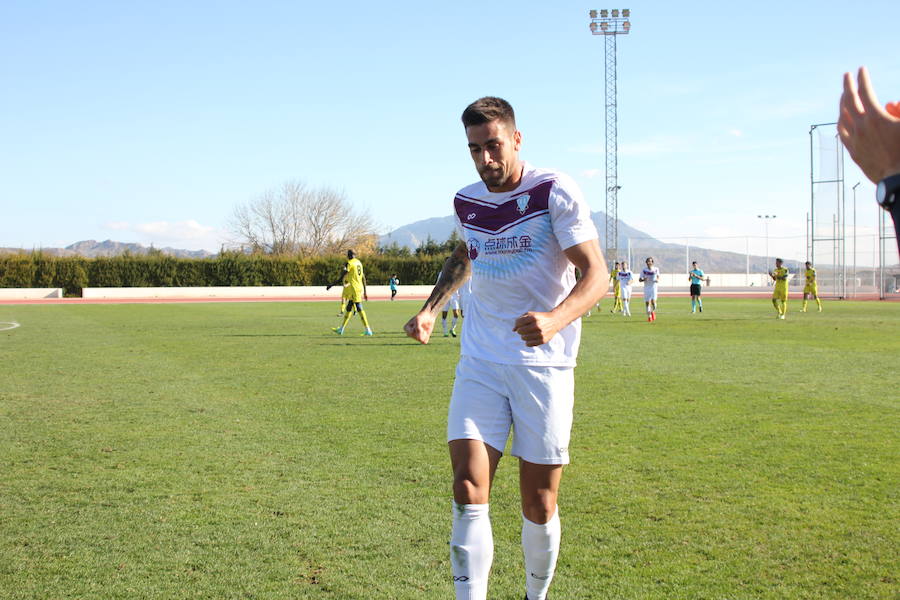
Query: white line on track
<point x="7" y="325"/>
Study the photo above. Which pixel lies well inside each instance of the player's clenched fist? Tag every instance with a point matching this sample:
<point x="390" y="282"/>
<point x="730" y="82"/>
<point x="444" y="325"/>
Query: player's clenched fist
<point x="420" y="327"/>
<point x="536" y="328"/>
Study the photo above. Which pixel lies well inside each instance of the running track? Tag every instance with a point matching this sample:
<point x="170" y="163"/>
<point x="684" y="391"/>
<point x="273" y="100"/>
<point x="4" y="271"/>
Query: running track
<point x="761" y="294"/>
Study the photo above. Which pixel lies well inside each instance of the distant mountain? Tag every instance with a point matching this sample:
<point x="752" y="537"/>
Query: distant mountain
<point x="669" y="257"/>
<point x="439" y="229"/>
<point x="93" y="249"/>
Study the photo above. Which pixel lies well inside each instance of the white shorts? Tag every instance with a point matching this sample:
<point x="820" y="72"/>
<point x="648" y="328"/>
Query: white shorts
<point x="650" y="291"/>
<point x="626" y="292"/>
<point x="452" y="303"/>
<point x="490" y="398"/>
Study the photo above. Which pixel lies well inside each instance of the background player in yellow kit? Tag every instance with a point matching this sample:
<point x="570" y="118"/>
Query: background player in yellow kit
<point x="811" y="288"/>
<point x="356" y="290"/>
<point x="780" y="295"/>
<point x="346" y="297"/>
<point x="617" y="289"/>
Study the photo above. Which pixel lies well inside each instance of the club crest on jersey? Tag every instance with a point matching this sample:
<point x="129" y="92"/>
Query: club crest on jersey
<point x="474" y="247"/>
<point x="522" y="203"/>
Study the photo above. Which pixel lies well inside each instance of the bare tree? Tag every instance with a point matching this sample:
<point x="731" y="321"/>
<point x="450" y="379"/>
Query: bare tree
<point x="296" y="219"/>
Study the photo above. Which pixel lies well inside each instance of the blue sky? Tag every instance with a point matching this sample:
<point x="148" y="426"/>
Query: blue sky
<point x="150" y="122"/>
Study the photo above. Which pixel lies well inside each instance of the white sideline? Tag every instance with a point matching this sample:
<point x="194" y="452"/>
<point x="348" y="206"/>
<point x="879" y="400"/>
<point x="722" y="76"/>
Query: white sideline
<point x="30" y="293"/>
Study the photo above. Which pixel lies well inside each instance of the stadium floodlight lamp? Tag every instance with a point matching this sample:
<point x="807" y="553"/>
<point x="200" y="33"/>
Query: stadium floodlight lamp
<point x="593" y="14"/>
<point x="604" y="26"/>
<point x="626" y="26"/>
<point x="615" y="13"/>
<point x="593" y="28"/>
<point x="604" y="13"/>
<point x="626" y="12"/>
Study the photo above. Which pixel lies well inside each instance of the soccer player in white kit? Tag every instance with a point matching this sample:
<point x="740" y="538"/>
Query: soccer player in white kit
<point x="650" y="277"/>
<point x="525" y="232"/>
<point x="626" y="278"/>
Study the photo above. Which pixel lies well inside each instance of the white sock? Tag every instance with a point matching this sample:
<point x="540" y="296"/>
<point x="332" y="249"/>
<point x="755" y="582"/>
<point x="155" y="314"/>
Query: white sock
<point x="444" y="325"/>
<point x="453" y="322"/>
<point x="471" y="550"/>
<point x="540" y="545"/>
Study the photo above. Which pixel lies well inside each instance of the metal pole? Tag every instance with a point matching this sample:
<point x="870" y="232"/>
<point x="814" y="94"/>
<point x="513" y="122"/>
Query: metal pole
<point x="812" y="199"/>
<point x="747" y="244"/>
<point x="854" y="239"/>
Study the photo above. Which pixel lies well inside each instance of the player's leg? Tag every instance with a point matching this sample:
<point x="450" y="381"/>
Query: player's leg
<point x="478" y="424"/>
<point x="444" y="321"/>
<point x="454" y="321"/>
<point x="805" y="301"/>
<point x="364" y="318"/>
<point x="348" y="312"/>
<point x="818" y="302"/>
<point x="777" y="307"/>
<point x="471" y="540"/>
<point x="542" y="407"/>
<point x="541" y="531"/>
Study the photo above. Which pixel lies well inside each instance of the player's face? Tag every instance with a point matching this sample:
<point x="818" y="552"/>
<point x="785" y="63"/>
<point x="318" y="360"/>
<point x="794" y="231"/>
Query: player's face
<point x="649" y="262"/>
<point x="778" y="264"/>
<point x="494" y="148"/>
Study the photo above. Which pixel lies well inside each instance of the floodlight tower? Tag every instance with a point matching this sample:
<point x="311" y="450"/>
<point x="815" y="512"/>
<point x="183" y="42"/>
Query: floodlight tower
<point x="766" y="219"/>
<point x="611" y="23"/>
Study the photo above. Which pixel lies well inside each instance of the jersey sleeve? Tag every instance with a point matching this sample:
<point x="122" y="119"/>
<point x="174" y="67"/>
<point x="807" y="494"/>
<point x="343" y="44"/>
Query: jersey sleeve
<point x="570" y="214"/>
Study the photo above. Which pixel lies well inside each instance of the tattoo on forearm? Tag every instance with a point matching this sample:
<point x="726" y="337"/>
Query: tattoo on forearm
<point x="456" y="270"/>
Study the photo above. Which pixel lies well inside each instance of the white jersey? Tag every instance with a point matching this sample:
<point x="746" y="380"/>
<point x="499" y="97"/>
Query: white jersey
<point x="465" y="290"/>
<point x="650" y="276"/>
<point x="625" y="278"/>
<point x="516" y="241"/>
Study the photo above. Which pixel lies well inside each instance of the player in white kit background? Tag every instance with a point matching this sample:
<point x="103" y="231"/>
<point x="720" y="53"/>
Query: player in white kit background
<point x="525" y="232"/>
<point x="453" y="305"/>
<point x="650" y="277"/>
<point x="626" y="278"/>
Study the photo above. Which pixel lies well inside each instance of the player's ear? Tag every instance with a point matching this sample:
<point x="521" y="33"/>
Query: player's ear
<point x="517" y="138"/>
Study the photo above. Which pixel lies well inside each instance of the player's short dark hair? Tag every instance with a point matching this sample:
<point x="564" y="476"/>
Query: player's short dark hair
<point x="487" y="109"/>
<point x="350" y="253"/>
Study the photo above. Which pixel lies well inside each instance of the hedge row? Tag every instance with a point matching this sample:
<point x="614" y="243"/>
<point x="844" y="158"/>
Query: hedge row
<point x="36" y="270"/>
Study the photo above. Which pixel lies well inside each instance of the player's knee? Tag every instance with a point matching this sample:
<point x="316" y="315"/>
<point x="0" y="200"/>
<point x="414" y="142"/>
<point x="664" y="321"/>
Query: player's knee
<point x="539" y="506"/>
<point x="466" y="490"/>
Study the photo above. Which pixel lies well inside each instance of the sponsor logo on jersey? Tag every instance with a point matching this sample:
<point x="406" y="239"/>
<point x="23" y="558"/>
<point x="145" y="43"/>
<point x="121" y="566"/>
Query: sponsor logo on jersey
<point x="474" y="247"/>
<point x="512" y="244"/>
<point x="471" y="216"/>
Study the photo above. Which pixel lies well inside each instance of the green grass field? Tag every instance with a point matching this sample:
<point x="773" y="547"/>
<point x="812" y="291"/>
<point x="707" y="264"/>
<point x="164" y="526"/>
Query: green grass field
<point x="244" y="451"/>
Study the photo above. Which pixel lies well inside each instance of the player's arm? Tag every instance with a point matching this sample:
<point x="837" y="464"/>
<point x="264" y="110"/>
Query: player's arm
<point x="456" y="270"/>
<point x="365" y="293"/>
<point x="338" y="280"/>
<point x="537" y="328"/>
